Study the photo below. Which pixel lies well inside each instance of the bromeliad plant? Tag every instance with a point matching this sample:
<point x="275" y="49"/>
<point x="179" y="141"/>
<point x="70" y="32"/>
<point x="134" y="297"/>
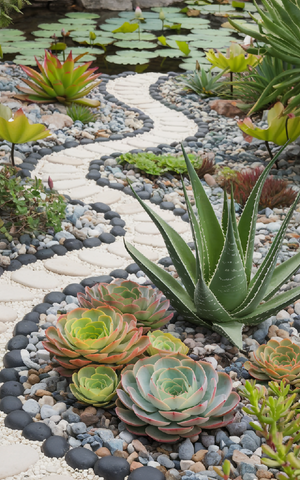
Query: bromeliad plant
<point x="95" y="385"/>
<point x="171" y="397"/>
<point x="278" y="418"/>
<point x="165" y="344"/>
<point x="144" y="303"/>
<point x="215" y="287"/>
<point x="102" y="336"/>
<point x="278" y="361"/>
<point x="60" y="82"/>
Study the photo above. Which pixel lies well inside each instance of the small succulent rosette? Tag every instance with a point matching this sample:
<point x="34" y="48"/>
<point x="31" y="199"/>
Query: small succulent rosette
<point x="171" y="397"/>
<point x="165" y="344"/>
<point x="95" y="385"/>
<point x="145" y="303"/>
<point x="97" y="336"/>
<point x="276" y="361"/>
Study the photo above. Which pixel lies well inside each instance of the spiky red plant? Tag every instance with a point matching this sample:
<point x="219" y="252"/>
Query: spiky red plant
<point x="275" y="193"/>
<point x="207" y="166"/>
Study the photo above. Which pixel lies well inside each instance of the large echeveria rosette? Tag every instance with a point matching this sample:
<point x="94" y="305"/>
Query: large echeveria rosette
<point x="96" y="336"/>
<point x="171" y="397"/>
<point x="276" y="361"/>
<point x="144" y="303"/>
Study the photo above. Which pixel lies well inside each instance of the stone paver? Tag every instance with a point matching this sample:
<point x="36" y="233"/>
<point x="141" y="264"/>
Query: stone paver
<point x="151" y="240"/>
<point x="16" y="459"/>
<point x="146" y="228"/>
<point x="59" y="168"/>
<point x="66" y="266"/>
<point x="69" y="184"/>
<point x="129" y="208"/>
<point x="83" y="192"/>
<point x="35" y="279"/>
<point x="119" y="249"/>
<point x="100" y="258"/>
<point x="64" y="160"/>
<point x="9" y="293"/>
<point x="108" y="196"/>
<point x="7" y="314"/>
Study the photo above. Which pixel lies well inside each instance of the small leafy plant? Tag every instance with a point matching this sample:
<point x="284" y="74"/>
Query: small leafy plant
<point x="60" y="82"/>
<point x="95" y="386"/>
<point x="203" y="83"/>
<point x="156" y="165"/>
<point x="278" y="418"/>
<point x="25" y="205"/>
<point x="81" y="113"/>
<point x="216" y="287"/>
<point x="275" y="192"/>
<point x="165" y="344"/>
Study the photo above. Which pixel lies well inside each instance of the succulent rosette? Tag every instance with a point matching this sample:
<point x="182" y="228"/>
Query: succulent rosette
<point x="173" y="396"/>
<point x="99" y="336"/>
<point x="129" y="297"/>
<point x="165" y="344"/>
<point x="95" y="385"/>
<point x="276" y="361"/>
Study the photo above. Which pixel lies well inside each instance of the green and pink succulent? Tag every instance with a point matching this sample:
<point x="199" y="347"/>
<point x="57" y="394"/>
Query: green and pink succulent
<point x="173" y="396"/>
<point x="98" y="336"/>
<point x="144" y="303"/>
<point x="95" y="385"/>
<point x="276" y="361"/>
<point x="60" y="82"/>
<point x="165" y="344"/>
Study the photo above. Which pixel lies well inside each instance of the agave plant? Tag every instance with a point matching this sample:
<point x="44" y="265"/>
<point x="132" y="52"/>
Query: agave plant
<point x="95" y="385"/>
<point x="171" y="397"/>
<point x="215" y="287"/>
<point x="102" y="336"/>
<point x="129" y="297"/>
<point x="60" y="82"/>
<point x="205" y="84"/>
<point x="165" y="344"/>
<point x="276" y="361"/>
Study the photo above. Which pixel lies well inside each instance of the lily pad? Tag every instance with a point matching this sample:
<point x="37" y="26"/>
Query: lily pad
<point x="166" y="10"/>
<point x="98" y="42"/>
<point x="135" y="44"/>
<point x="134" y="36"/>
<point x="170" y="52"/>
<point x="130" y="15"/>
<point x="135" y="54"/>
<point x="82" y="15"/>
<point x="191" y="66"/>
<point x="126" y="60"/>
<point x="46" y="33"/>
<point x="25" y="60"/>
<point x="77" y="21"/>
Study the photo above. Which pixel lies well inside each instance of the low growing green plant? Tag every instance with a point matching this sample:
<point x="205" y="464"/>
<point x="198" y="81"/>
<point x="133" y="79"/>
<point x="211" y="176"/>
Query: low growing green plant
<point x="81" y="113"/>
<point x="203" y="83"/>
<point x="157" y="164"/>
<point x="215" y="287"/>
<point x="277" y="412"/>
<point x="95" y="386"/>
<point x="25" y="205"/>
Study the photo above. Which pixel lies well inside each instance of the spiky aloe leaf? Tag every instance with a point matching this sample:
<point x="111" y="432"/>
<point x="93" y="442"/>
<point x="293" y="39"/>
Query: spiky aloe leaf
<point x="229" y="282"/>
<point x="247" y="223"/>
<point x="180" y="253"/>
<point x="207" y="304"/>
<point x="178" y="297"/>
<point x="261" y="279"/>
<point x="211" y="233"/>
<point x="281" y="274"/>
<point x="232" y="331"/>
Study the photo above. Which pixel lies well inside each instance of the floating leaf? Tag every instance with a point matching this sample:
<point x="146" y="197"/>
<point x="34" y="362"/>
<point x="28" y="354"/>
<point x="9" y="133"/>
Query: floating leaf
<point x="126" y="28"/>
<point x="98" y="42"/>
<point x="135" y="54"/>
<point x="166" y="10"/>
<point x="169" y="52"/>
<point x="46" y="33"/>
<point x="162" y="40"/>
<point x="183" y="47"/>
<point x="82" y="15"/>
<point x="126" y="60"/>
<point x="134" y="36"/>
<point x="77" y="21"/>
<point x="135" y="44"/>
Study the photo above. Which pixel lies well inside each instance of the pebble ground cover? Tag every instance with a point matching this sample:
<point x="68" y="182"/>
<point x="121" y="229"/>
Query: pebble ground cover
<point x="37" y="284"/>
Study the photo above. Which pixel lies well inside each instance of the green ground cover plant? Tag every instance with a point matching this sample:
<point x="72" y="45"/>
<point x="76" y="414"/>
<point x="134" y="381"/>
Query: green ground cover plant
<point x="81" y="113"/>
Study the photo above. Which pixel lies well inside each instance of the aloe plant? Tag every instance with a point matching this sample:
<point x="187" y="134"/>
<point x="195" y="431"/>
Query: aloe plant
<point x="215" y="288"/>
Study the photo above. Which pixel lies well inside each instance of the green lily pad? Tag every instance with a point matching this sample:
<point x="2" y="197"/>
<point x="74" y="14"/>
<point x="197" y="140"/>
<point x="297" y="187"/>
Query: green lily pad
<point x="46" y="33"/>
<point x="82" y="15"/>
<point x="134" y="36"/>
<point x="126" y="60"/>
<point x="135" y="44"/>
<point x="77" y="21"/>
<point x="170" y="52"/>
<point x="166" y="10"/>
<point x="191" y="66"/>
<point x="135" y="54"/>
<point x="191" y="22"/>
<point x="98" y="42"/>
<point x="52" y="26"/>
<point x="25" y="60"/>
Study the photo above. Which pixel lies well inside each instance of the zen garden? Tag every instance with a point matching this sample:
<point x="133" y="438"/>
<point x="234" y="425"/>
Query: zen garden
<point x="150" y="239"/>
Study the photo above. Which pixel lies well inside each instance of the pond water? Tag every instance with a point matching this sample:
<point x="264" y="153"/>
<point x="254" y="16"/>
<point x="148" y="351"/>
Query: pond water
<point x="176" y="47"/>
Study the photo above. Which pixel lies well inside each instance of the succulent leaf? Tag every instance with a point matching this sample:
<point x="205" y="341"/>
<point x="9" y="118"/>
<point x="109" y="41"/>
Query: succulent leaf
<point x="165" y="344"/>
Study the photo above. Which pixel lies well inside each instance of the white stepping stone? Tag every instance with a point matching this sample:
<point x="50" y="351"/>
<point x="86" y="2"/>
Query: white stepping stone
<point x="69" y="184"/>
<point x="180" y="227"/>
<point x="100" y="258"/>
<point x="118" y="248"/>
<point x="146" y="228"/>
<point x="63" y="159"/>
<point x="79" y="152"/>
<point x="60" y="176"/>
<point x="7" y="314"/>
<point x="100" y="148"/>
<point x="16" y="459"/>
<point x="142" y="217"/>
<point x="83" y="192"/>
<point x="50" y="168"/>
<point x="8" y="293"/>
<point x="153" y="240"/>
<point x="129" y="208"/>
<point x="66" y="266"/>
<point x="108" y="196"/>
<point x="35" y="279"/>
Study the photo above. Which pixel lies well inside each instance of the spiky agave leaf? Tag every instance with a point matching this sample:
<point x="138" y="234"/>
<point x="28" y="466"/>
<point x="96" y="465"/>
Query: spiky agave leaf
<point x="171" y="397"/>
<point x="225" y="297"/>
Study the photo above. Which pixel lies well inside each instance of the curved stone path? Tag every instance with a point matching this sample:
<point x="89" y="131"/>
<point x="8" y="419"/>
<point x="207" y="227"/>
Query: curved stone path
<point x="21" y="290"/>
